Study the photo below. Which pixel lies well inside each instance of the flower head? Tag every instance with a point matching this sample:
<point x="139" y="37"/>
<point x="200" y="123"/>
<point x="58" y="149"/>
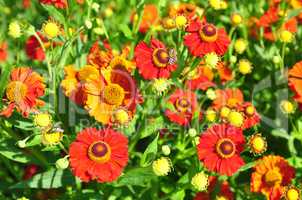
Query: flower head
<point x="221" y="143"/>
<point x="162" y="166"/>
<point x="57" y="3"/>
<point x="200" y="181"/>
<point x="257" y="144"/>
<point x="161" y="85"/>
<point x="245" y="66"/>
<point x="99" y="155"/>
<point x="51" y="29"/>
<point x="14" y="29"/>
<point x="211" y="60"/>
<point x="287" y="107"/>
<point x="240" y="45"/>
<point x="292" y="193"/>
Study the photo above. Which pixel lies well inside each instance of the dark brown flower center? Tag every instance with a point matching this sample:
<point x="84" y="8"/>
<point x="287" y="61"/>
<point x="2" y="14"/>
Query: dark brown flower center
<point x="183" y="105"/>
<point x="160" y="57"/>
<point x="225" y="148"/>
<point x="99" y="151"/>
<point x="208" y="33"/>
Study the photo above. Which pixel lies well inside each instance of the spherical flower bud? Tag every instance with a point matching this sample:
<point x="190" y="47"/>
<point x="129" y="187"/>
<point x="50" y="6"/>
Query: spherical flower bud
<point x="233" y="59"/>
<point x="200" y="181"/>
<point x="161" y="85"/>
<point x="211" y="59"/>
<point x="292" y="193"/>
<point x="192" y="132"/>
<point x="276" y="59"/>
<point x="14" y="29"/>
<point x="235" y="118"/>
<point x="287" y="107"/>
<point x="95" y="7"/>
<point x="43" y="120"/>
<point x="257" y="144"/>
<point x="240" y="45"/>
<point x="162" y="166"/>
<point x="62" y="163"/>
<point x="166" y="150"/>
<point x="250" y="110"/>
<point x="211" y="115"/>
<point x="88" y="24"/>
<point x="286" y="36"/>
<point x="211" y="94"/>
<point x="22" y="143"/>
<point x="224" y="112"/>
<point x="236" y="19"/>
<point x="51" y="29"/>
<point x="181" y="21"/>
<point x="245" y="66"/>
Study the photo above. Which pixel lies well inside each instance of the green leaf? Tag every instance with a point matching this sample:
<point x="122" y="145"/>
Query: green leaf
<point x="126" y="31"/>
<point x="36" y="140"/>
<point x="13" y="153"/>
<point x="150" y="153"/>
<point x="180" y="195"/>
<point x="247" y="166"/>
<point x="137" y="177"/>
<point x="152" y="127"/>
<point x="53" y="178"/>
<point x="52" y="11"/>
<point x="4" y="78"/>
<point x="280" y="133"/>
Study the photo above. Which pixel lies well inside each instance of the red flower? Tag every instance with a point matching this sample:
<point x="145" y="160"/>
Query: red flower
<point x="224" y="191"/>
<point x="200" y="78"/>
<point x="98" y="155"/>
<point x="22" y="92"/>
<point x="3" y="51"/>
<point x="26" y="3"/>
<point x="155" y="61"/>
<point x="57" y="3"/>
<point x="295" y="81"/>
<point x="33" y="48"/>
<point x="204" y="38"/>
<point x="183" y="107"/>
<point x="30" y="171"/>
<point x="231" y="98"/>
<point x="219" y="149"/>
<point x="251" y="117"/>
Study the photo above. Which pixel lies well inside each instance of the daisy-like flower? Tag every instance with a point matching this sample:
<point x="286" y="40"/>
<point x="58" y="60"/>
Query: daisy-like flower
<point x="112" y="98"/>
<point x="33" y="48"/>
<point x="200" y="181"/>
<point x="51" y="29"/>
<point x="23" y="91"/>
<point x="295" y="81"/>
<point x="150" y="18"/>
<point x="183" y="107"/>
<point x="155" y="61"/>
<point x="52" y="137"/>
<point x="219" y="149"/>
<point x="200" y="78"/>
<point x="232" y="98"/>
<point x="224" y="191"/>
<point x="161" y="85"/>
<point x="99" y="155"/>
<point x="257" y="144"/>
<point x="271" y="175"/>
<point x="162" y="166"/>
<point x="251" y="116"/>
<point x="74" y="81"/>
<point x="292" y="193"/>
<point x="57" y="3"/>
<point x="203" y="38"/>
<point x="187" y="10"/>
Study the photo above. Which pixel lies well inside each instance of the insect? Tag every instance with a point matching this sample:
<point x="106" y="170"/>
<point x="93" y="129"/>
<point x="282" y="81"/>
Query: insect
<point x="172" y="56"/>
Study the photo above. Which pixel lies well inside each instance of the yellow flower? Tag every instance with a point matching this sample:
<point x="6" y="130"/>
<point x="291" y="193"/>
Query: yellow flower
<point x="235" y="118"/>
<point x="218" y="4"/>
<point x="200" y="181"/>
<point x="211" y="115"/>
<point x="120" y="116"/>
<point x="51" y="29"/>
<point x="162" y="166"/>
<point x="181" y="21"/>
<point x="250" y="110"/>
<point x="211" y="60"/>
<point x="245" y="66"/>
<point x="240" y="45"/>
<point x="257" y="144"/>
<point x="292" y="193"/>
<point x="286" y="36"/>
<point x="52" y="138"/>
<point x="224" y="112"/>
<point x="108" y="12"/>
<point x="14" y="29"/>
<point x="211" y="94"/>
<point x="236" y="19"/>
<point x="161" y="85"/>
<point x="287" y="107"/>
<point x="43" y="120"/>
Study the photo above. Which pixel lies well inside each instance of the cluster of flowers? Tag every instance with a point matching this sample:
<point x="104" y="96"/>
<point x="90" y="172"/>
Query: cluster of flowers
<point x="106" y="88"/>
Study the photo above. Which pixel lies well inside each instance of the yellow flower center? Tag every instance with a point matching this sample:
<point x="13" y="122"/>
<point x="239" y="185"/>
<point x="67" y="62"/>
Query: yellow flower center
<point x="162" y="166"/>
<point x="250" y="110"/>
<point x="16" y="91"/>
<point x="273" y="177"/>
<point x="181" y="21"/>
<point x="99" y="152"/>
<point x="235" y="118"/>
<point x="182" y="104"/>
<point x="293" y="194"/>
<point x="236" y="19"/>
<point x="51" y="29"/>
<point x="160" y="57"/>
<point x="52" y="138"/>
<point x="208" y="33"/>
<point x="200" y="181"/>
<point x="225" y="148"/>
<point x="257" y="144"/>
<point x="221" y="198"/>
<point x="114" y="94"/>
<point x="287" y="107"/>
<point x="232" y="102"/>
<point x="224" y="112"/>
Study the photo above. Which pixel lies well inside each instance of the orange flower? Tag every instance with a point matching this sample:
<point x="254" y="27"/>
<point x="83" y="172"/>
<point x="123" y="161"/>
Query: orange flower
<point x="295" y="81"/>
<point x="3" y="52"/>
<point x="112" y="99"/>
<point x="22" y="92"/>
<point x="272" y="174"/>
<point x="186" y="9"/>
<point x="150" y="17"/>
<point x="73" y="84"/>
<point x="224" y="72"/>
<point x="231" y="98"/>
<point x="200" y="78"/>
